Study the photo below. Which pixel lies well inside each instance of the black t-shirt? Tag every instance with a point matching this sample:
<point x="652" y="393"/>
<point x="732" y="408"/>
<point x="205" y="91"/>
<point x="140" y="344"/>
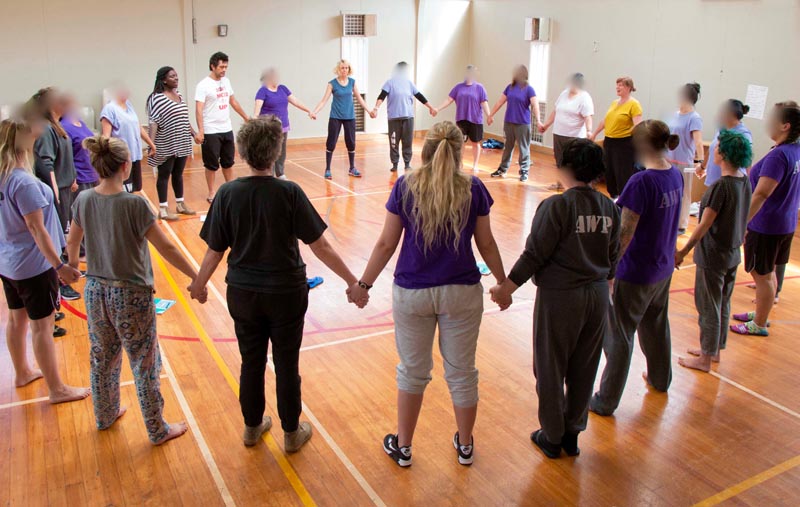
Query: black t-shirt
<point x="260" y="219"/>
<point x="730" y="198"/>
<point x="574" y="241"/>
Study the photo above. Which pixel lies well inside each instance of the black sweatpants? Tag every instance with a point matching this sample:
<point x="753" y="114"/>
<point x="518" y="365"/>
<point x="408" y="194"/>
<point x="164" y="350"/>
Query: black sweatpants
<point x="334" y="127"/>
<point x="401" y="130"/>
<point x="134" y="181"/>
<point x="260" y="318"/>
<point x="566" y="353"/>
<point x="64" y="207"/>
<point x="643" y="310"/>
<point x="619" y="159"/>
<point x="172" y="167"/>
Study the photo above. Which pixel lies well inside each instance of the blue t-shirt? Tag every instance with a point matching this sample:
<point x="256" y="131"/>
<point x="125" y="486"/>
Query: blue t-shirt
<point x="276" y="103"/>
<point x="518" y="107"/>
<point x="656" y="197"/>
<point x="400" y="101"/>
<point x="22" y="194"/>
<point x="713" y="171"/>
<point x="440" y="265"/>
<point x="682" y="125"/>
<point x="778" y="215"/>
<point x="342" y="106"/>
<point x="125" y="125"/>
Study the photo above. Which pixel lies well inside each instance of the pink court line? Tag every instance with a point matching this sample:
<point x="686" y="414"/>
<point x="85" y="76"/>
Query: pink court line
<point x="690" y="290"/>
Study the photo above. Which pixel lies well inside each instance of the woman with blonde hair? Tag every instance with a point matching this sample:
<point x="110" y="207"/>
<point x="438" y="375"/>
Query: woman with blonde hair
<point x="30" y="263"/>
<point x="437" y="210"/>
<point x="119" y="287"/>
<point x="343" y="114"/>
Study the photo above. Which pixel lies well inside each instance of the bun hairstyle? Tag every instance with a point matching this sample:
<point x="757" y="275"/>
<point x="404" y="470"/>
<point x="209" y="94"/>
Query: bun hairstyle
<point x="789" y="112"/>
<point x="654" y="135"/>
<point x="691" y="91"/>
<point x="584" y="158"/>
<point x="108" y="154"/>
<point x="259" y="141"/>
<point x="627" y="81"/>
<point x="441" y="194"/>
<point x="737" y="108"/>
<point x="735" y="148"/>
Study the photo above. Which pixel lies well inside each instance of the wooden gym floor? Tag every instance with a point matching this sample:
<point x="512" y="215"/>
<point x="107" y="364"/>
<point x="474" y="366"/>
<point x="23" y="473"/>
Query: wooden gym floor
<point x="729" y="438"/>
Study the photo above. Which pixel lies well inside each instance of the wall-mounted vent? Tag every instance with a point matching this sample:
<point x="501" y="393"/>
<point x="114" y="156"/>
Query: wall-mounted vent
<point x="536" y="136"/>
<point x="359" y="25"/>
<point x="360" y="114"/>
<point x="537" y="29"/>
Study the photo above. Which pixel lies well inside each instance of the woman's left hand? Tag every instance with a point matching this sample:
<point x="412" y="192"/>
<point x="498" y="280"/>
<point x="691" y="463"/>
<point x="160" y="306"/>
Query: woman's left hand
<point x="357" y="295"/>
<point x="74" y="187"/>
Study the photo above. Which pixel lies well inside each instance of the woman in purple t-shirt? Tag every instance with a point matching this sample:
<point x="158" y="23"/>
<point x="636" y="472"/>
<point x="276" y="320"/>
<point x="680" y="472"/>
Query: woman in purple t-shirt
<point x="521" y="98"/>
<point x="651" y="206"/>
<point x="472" y="103"/>
<point x="274" y="98"/>
<point x="437" y="210"/>
<point x="773" y="214"/>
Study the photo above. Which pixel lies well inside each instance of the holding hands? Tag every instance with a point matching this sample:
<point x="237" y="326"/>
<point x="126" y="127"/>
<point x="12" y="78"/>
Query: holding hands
<point x="312" y="115"/>
<point x="374" y="113"/>
<point x="489" y="120"/>
<point x="358" y="294"/>
<point x="432" y="110"/>
<point x="198" y="292"/>
<point x="68" y="274"/>
<point x="501" y="294"/>
<point x="679" y="256"/>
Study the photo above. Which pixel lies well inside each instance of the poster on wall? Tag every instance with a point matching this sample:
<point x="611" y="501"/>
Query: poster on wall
<point x="756" y="98"/>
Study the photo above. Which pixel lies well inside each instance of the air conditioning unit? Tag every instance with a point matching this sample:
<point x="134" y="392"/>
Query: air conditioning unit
<point x="537" y="29"/>
<point x="359" y="25"/>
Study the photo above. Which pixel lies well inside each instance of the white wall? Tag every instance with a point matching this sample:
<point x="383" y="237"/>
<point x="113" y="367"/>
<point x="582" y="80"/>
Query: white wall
<point x="723" y="45"/>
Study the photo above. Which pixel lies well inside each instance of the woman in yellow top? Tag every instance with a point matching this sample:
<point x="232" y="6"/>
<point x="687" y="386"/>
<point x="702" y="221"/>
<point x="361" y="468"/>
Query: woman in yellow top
<point x="618" y="155"/>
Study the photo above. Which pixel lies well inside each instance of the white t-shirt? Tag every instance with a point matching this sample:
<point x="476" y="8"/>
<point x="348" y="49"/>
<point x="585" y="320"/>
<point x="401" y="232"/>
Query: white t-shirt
<point x="571" y="113"/>
<point x="216" y="97"/>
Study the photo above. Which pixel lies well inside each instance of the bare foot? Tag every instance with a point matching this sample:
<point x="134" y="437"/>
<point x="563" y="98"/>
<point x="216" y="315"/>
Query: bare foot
<point x="175" y="430"/>
<point x="67" y="394"/>
<point x="23" y="380"/>
<point x="698" y="353"/>
<point x="702" y="363"/>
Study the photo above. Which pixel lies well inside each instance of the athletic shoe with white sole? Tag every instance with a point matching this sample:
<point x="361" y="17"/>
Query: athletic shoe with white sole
<point x="464" y="451"/>
<point x="293" y="441"/>
<point x="498" y="174"/>
<point x="252" y="434"/>
<point x="69" y="293"/>
<point x="400" y="455"/>
<point x="354" y="172"/>
<point x="328" y="175"/>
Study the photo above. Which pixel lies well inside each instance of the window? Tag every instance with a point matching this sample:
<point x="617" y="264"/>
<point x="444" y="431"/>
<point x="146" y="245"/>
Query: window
<point x="356" y="50"/>
<point x="539" y="71"/>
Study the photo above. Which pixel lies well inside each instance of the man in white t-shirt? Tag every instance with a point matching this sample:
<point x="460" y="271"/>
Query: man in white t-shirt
<point x="213" y="100"/>
<point x="571" y="118"/>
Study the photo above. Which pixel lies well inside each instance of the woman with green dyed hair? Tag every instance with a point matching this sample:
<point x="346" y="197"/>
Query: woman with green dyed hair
<point x="718" y="237"/>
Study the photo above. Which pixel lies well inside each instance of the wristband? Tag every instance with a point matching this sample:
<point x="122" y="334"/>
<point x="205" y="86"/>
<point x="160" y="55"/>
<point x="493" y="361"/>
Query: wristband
<point x="696" y="161"/>
<point x="60" y="266"/>
<point x="364" y="285"/>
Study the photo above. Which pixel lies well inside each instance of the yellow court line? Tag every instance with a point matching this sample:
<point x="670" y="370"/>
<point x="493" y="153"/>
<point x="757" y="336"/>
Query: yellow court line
<point x="749" y="483"/>
<point x="280" y="457"/>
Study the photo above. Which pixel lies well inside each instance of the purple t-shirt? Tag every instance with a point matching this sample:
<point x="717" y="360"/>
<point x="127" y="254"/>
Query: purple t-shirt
<point x="656" y="197"/>
<point x="276" y="103"/>
<point x="84" y="172"/>
<point x="468" y="101"/>
<point x="518" y="107"/>
<point x="440" y="265"/>
<point x="778" y="215"/>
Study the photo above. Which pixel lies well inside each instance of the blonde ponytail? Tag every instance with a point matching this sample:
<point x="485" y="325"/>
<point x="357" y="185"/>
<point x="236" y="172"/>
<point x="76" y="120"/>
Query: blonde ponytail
<point x="441" y="193"/>
<point x="10" y="146"/>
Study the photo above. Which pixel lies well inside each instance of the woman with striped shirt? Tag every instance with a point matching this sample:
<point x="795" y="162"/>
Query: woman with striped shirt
<point x="172" y="134"/>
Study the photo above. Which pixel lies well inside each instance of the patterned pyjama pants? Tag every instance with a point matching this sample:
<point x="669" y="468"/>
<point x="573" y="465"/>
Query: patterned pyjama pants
<point x="122" y="315"/>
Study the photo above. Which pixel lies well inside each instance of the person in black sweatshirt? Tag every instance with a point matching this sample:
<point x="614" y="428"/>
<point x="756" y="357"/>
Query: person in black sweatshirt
<point x="571" y="254"/>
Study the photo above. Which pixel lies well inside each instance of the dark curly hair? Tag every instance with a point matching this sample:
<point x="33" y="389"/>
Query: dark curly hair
<point x="259" y="141"/>
<point x="584" y="158"/>
<point x="735" y="148"/>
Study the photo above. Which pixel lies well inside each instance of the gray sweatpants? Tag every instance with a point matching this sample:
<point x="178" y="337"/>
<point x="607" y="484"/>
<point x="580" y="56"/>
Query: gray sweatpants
<point x="712" y="298"/>
<point x="641" y="309"/>
<point x="457" y="311"/>
<point x="401" y="130"/>
<point x="519" y="135"/>
<point x="566" y="352"/>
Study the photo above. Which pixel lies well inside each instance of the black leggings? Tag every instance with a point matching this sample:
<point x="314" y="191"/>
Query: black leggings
<point x="334" y="127"/>
<point x="619" y="158"/>
<point x="134" y="181"/>
<point x="173" y="166"/>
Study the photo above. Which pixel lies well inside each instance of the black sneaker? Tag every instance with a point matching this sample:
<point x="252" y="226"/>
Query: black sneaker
<point x="60" y="316"/>
<point x="569" y="442"/>
<point x="401" y="455"/>
<point x="552" y="451"/>
<point x="69" y="293"/>
<point x="499" y="174"/>
<point x="58" y="332"/>
<point x="523" y="177"/>
<point x="408" y="168"/>
<point x="393" y="169"/>
<point x="464" y="451"/>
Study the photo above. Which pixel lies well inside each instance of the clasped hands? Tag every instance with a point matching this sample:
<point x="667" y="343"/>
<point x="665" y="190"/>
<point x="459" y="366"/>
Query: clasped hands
<point x="501" y="295"/>
<point x="357" y="295"/>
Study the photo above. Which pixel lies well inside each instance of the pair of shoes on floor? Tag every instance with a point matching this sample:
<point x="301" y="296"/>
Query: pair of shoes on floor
<point x="402" y="455"/>
<point x="59" y="331"/>
<point x="292" y="442"/>
<point x="569" y="443"/>
<point x="68" y="293"/>
<point x="60" y="316"/>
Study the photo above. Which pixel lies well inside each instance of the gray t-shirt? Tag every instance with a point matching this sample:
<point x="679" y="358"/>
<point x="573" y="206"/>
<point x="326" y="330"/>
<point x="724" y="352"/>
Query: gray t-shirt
<point x="115" y="228"/>
<point x="719" y="248"/>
